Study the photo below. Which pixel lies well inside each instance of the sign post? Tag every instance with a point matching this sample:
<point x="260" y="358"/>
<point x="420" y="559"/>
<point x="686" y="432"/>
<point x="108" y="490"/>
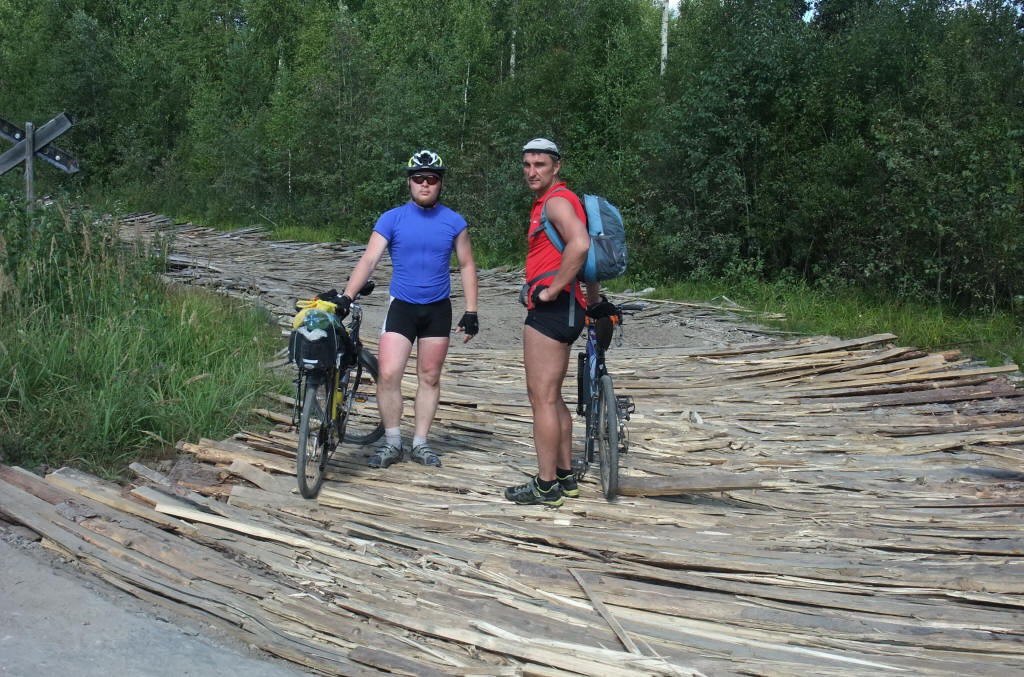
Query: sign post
<point x="30" y="174"/>
<point x="32" y="142"/>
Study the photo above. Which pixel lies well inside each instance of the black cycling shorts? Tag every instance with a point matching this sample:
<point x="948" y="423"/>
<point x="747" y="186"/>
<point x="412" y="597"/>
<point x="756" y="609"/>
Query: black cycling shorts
<point x="419" y="320"/>
<point x="552" y="319"/>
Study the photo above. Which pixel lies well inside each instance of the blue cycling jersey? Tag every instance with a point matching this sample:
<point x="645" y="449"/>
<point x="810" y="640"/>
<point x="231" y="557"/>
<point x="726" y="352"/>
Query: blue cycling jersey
<point x="420" y="242"/>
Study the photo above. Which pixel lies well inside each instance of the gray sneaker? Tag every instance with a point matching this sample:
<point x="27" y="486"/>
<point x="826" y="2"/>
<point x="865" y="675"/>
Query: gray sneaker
<point x="385" y="455"/>
<point x="422" y="453"/>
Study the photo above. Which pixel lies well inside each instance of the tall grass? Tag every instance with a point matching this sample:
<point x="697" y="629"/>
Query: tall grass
<point x="100" y="361"/>
<point x="995" y="337"/>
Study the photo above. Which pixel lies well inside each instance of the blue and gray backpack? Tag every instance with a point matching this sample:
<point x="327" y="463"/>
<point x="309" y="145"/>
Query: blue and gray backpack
<point x="607" y="256"/>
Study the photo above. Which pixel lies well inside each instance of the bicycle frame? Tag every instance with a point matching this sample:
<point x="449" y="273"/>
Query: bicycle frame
<point x="344" y="372"/>
<point x="604" y="412"/>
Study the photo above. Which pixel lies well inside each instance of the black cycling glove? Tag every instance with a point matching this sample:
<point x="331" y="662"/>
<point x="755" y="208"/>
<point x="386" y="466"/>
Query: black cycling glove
<point x="603" y="308"/>
<point x="469" y="323"/>
<point x="331" y="296"/>
<point x="344" y="303"/>
<point x="535" y="296"/>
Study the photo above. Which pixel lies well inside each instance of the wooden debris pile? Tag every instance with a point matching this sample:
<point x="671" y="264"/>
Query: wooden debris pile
<point x="803" y="507"/>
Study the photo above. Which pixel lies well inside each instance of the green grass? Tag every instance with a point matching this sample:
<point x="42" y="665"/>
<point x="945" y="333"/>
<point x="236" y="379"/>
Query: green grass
<point x="303" y="234"/>
<point x="996" y="337"/>
<point x="102" y="363"/>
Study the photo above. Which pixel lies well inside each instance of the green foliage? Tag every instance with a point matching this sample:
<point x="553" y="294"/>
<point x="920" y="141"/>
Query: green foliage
<point x="879" y="145"/>
<point x="995" y="337"/>
<point x="98" y="360"/>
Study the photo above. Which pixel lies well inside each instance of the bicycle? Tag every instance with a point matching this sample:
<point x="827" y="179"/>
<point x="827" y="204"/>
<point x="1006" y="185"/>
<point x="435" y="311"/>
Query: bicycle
<point x="605" y="412"/>
<point x="335" y="393"/>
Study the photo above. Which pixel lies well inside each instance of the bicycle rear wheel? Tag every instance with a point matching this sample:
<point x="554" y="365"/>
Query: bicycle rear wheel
<point x="608" y="437"/>
<point x="363" y="425"/>
<point x="316" y="437"/>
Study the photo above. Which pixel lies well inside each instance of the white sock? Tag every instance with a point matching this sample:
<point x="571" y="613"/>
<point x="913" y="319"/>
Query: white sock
<point x="393" y="436"/>
<point x="417" y="440"/>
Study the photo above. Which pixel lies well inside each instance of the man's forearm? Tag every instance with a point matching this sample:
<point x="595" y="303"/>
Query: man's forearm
<point x="360" y="274"/>
<point x="573" y="257"/>
<point x="469" y="287"/>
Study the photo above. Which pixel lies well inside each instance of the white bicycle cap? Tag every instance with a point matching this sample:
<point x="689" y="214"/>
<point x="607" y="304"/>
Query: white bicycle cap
<point x="541" y="145"/>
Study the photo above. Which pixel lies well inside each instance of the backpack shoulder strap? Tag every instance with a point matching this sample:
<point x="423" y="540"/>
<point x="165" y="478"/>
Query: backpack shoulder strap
<point x="552" y="233"/>
<point x="553" y="236"/>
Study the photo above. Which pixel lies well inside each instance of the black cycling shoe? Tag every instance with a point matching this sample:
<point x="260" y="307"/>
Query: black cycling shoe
<point x="570" y="488"/>
<point x="531" y="494"/>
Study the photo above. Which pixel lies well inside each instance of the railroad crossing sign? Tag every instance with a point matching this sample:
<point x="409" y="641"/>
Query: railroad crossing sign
<point x="28" y="144"/>
<point x="40" y="145"/>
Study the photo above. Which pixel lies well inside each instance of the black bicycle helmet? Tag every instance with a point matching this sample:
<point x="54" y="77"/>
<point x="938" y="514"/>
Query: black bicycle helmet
<point x="425" y="160"/>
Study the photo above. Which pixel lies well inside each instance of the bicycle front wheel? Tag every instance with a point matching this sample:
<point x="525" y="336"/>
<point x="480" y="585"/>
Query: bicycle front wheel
<point x="585" y="408"/>
<point x="315" y="438"/>
<point x="363" y="425"/>
<point x="608" y="437"/>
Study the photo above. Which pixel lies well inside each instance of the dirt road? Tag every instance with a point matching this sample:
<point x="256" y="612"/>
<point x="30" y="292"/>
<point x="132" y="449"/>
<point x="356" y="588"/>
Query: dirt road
<point x="275" y="274"/>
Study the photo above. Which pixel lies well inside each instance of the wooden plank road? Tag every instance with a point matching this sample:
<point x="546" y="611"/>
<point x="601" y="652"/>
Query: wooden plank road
<point x="791" y="507"/>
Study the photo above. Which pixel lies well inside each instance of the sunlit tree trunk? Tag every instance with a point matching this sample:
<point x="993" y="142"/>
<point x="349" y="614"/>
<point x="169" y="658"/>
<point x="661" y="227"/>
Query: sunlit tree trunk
<point x="664" y="36"/>
<point x="512" y="57"/>
<point x="465" y="110"/>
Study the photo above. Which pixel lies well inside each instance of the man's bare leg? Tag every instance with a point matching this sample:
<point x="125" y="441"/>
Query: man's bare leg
<point x="546" y="361"/>
<point x="430" y="356"/>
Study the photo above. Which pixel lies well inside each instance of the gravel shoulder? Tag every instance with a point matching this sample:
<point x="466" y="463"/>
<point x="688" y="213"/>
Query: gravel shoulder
<point x="56" y="619"/>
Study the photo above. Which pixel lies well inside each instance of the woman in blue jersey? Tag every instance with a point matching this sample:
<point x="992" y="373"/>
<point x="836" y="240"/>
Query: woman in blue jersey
<point x="420" y="236"/>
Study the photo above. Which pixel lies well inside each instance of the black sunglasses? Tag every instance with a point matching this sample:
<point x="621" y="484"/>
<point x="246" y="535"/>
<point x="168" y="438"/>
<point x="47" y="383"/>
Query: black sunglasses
<point x="431" y="179"/>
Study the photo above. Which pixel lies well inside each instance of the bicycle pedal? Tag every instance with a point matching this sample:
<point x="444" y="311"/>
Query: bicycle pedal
<point x="579" y="469"/>
<point x="624" y="403"/>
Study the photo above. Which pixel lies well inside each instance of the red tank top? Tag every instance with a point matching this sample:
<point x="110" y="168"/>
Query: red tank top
<point x="542" y="256"/>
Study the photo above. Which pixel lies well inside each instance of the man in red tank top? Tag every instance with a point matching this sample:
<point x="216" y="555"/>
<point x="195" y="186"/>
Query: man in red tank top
<point x="556" y="307"/>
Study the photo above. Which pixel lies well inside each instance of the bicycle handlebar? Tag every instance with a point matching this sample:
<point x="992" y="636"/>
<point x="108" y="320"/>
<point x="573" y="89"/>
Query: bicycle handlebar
<point x="332" y="296"/>
<point x="616" y="319"/>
